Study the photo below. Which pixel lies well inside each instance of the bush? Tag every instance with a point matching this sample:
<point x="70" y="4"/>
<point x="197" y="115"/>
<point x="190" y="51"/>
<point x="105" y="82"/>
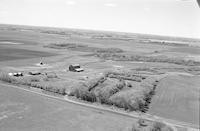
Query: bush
<point x="32" y="81"/>
<point x="6" y="78"/>
<point x="116" y="94"/>
<point x="130" y="57"/>
<point x="82" y="91"/>
<point x="135" y="99"/>
<point x="50" y="75"/>
<point x="91" y="84"/>
<point x="90" y="92"/>
<point x="109" y="50"/>
<point x="150" y="126"/>
<point x="83" y="48"/>
<point x="159" y="126"/>
<point x="128" y="84"/>
<point x="106" y="92"/>
<point x="49" y="87"/>
<point x="124" y="76"/>
<point x="130" y="99"/>
<point x="135" y="127"/>
<point x="121" y="84"/>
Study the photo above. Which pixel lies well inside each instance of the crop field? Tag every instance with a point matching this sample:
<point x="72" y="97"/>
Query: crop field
<point x="178" y="97"/>
<point x="131" y="72"/>
<point x="9" y="52"/>
<point x="20" y="110"/>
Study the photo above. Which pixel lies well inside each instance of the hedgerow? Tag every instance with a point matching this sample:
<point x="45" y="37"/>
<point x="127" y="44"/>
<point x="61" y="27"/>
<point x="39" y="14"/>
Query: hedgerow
<point x="33" y="81"/>
<point x="83" y="48"/>
<point x="129" y="57"/>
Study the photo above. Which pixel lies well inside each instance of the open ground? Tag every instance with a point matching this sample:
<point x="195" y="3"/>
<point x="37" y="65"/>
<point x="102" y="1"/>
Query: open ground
<point x="162" y="72"/>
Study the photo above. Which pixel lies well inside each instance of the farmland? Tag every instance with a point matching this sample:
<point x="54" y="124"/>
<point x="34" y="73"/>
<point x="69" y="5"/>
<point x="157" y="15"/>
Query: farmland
<point x="137" y="73"/>
<point x="178" y="98"/>
<point x="26" y="111"/>
<point x="13" y="53"/>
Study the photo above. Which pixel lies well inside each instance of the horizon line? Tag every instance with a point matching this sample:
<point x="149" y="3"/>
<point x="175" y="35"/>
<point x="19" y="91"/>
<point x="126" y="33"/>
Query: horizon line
<point x="99" y="30"/>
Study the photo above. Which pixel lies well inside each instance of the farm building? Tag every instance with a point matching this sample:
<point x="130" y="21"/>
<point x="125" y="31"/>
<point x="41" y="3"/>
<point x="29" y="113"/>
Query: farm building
<point x="16" y="74"/>
<point x="75" y="68"/>
<point x="34" y="73"/>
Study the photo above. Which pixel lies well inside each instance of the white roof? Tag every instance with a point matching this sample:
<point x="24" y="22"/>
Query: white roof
<point x="75" y="65"/>
<point x="79" y="69"/>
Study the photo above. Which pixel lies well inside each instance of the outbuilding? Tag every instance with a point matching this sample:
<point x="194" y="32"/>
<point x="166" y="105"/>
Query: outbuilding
<point x="75" y="68"/>
<point x="34" y="73"/>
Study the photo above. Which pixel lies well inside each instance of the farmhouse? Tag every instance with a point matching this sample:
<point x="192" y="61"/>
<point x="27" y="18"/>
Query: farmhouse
<point x="75" y="68"/>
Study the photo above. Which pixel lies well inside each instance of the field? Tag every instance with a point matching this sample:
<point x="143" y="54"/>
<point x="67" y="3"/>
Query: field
<point x="131" y="72"/>
<point x="13" y="53"/>
<point x="24" y="111"/>
<point x="177" y="97"/>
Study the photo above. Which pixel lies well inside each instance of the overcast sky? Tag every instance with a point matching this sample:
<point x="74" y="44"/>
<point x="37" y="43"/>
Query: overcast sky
<point x="161" y="17"/>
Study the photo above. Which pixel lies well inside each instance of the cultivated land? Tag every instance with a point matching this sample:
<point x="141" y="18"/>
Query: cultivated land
<point x="138" y="73"/>
<point x="177" y="95"/>
<point x="22" y="111"/>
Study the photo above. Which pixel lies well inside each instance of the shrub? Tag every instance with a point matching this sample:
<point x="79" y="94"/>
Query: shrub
<point x="6" y="78"/>
<point x="81" y="91"/>
<point x="49" y="75"/>
<point x="83" y="48"/>
<point x="130" y="57"/>
<point x="135" y="127"/>
<point x="128" y="84"/>
<point x="141" y="122"/>
<point x="135" y="99"/>
<point x="151" y="126"/>
<point x="109" y="50"/>
<point x="124" y="76"/>
<point x="159" y="126"/>
<point x="121" y="84"/>
<point x="130" y="99"/>
<point x="95" y="82"/>
<point x="105" y="93"/>
<point x="33" y="79"/>
<point x="49" y="87"/>
<point x="117" y="94"/>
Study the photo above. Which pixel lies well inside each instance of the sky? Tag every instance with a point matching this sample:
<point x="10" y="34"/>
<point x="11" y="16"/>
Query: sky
<point x="160" y="17"/>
